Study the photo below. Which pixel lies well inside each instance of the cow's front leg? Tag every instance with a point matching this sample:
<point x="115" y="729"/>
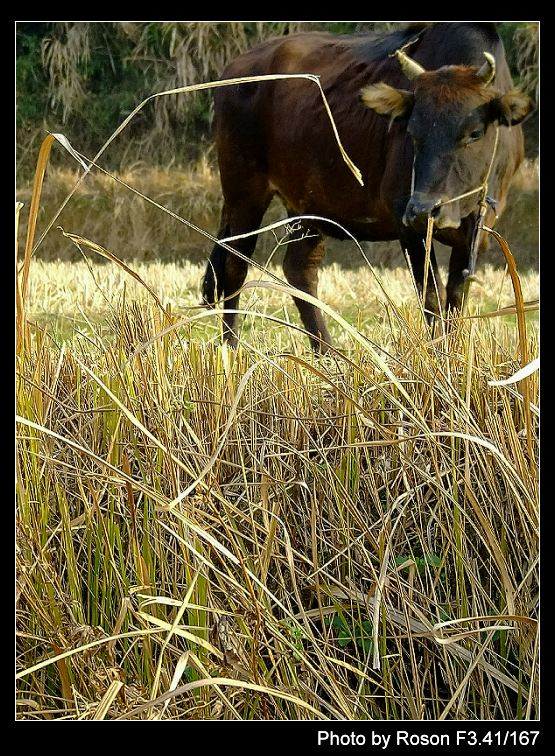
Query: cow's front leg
<point x="435" y="298"/>
<point x="458" y="263"/>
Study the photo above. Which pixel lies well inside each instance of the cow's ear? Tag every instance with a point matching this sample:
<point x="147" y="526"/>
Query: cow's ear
<point x="511" y="108"/>
<point x="386" y="100"/>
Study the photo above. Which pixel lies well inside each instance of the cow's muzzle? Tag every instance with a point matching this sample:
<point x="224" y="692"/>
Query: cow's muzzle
<point x="420" y="207"/>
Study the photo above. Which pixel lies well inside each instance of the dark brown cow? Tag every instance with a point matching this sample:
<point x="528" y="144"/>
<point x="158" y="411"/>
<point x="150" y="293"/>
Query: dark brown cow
<point x="422" y="130"/>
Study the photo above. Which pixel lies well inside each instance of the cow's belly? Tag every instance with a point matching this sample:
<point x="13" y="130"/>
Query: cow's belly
<point x="348" y="206"/>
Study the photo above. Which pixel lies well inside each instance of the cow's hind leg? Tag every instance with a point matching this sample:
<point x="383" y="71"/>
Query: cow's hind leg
<point x="213" y="281"/>
<point x="300" y="265"/>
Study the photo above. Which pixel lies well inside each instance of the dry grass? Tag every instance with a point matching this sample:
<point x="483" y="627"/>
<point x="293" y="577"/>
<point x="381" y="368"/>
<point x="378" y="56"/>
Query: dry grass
<point x="137" y="230"/>
<point x="264" y="535"/>
<point x="73" y="295"/>
<point x="527" y="44"/>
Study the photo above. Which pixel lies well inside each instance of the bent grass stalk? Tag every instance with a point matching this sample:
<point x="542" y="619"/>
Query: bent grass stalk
<point x="521" y="321"/>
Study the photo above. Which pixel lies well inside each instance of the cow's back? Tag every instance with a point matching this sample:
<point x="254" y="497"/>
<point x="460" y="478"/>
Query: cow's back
<point x="283" y="128"/>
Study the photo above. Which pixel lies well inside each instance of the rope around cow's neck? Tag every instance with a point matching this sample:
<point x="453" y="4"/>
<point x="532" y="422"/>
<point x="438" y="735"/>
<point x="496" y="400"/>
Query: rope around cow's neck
<point x="483" y="203"/>
<point x="484" y="200"/>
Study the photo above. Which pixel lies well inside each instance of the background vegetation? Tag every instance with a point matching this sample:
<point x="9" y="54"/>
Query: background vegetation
<point x="84" y="78"/>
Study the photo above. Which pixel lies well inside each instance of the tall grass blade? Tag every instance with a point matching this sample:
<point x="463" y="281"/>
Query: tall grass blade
<point x="521" y="322"/>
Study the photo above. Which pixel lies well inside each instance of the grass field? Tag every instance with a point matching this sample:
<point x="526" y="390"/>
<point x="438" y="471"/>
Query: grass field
<point x="83" y="296"/>
<point x="262" y="533"/>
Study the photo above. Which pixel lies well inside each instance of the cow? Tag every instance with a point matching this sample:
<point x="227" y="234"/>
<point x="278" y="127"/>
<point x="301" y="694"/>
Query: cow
<point x="423" y="129"/>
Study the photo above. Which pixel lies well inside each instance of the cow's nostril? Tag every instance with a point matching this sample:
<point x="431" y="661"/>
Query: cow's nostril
<point x="420" y="208"/>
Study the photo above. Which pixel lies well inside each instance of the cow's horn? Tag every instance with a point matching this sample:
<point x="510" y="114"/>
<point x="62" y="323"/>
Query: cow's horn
<point x="410" y="67"/>
<point x="487" y="71"/>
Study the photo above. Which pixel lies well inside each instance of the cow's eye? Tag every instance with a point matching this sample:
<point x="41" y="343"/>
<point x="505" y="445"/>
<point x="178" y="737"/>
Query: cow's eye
<point x="474" y="135"/>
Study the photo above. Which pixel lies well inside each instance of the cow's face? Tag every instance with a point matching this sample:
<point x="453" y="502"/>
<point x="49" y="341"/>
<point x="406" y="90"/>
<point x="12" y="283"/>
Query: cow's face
<point x="451" y="117"/>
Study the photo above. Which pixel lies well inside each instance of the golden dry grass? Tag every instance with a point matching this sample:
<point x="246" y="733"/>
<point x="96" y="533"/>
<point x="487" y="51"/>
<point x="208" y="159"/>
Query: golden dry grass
<point x="207" y="534"/>
<point x="72" y="293"/>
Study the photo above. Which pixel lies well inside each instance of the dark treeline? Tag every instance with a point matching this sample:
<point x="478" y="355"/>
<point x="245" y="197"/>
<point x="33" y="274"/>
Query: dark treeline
<point x="84" y="78"/>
